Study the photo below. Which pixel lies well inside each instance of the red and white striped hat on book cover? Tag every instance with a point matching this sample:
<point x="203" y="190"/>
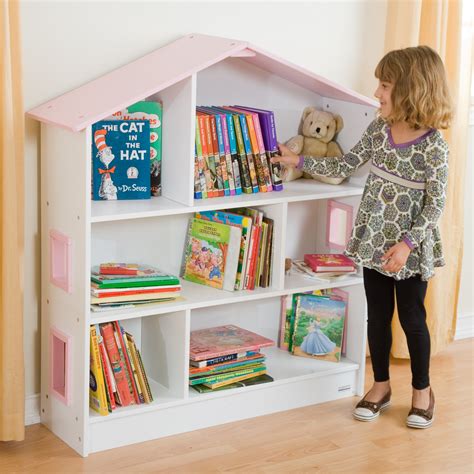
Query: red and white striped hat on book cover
<point x="99" y="138"/>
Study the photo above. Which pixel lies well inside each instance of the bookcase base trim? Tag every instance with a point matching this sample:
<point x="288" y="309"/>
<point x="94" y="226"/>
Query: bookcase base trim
<point x="244" y="404"/>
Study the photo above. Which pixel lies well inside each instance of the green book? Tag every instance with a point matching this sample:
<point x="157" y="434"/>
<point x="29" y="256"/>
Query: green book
<point x="222" y="377"/>
<point x="201" y="388"/>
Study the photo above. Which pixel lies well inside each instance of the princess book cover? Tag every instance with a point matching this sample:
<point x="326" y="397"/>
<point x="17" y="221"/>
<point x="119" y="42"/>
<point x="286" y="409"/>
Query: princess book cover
<point x="223" y="340"/>
<point x="319" y="325"/>
<point x="120" y="160"/>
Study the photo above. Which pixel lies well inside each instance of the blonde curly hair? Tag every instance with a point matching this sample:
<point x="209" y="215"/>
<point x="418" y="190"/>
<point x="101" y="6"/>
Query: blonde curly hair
<point x="420" y="94"/>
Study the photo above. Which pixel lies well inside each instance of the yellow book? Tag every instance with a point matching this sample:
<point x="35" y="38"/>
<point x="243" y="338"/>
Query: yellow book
<point x="97" y="394"/>
<point x="236" y="379"/>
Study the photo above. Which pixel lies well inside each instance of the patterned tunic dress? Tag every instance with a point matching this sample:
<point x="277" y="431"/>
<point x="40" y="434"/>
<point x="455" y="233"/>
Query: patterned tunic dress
<point x="403" y="197"/>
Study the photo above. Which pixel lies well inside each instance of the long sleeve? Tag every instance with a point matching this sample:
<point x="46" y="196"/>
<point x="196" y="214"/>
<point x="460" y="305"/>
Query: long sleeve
<point x="344" y="166"/>
<point x="436" y="173"/>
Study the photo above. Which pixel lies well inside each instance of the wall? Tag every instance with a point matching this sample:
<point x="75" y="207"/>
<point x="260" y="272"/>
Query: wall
<point x="84" y="40"/>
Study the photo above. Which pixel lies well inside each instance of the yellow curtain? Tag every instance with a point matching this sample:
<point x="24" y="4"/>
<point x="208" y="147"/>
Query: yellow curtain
<point x="12" y="389"/>
<point x="438" y="24"/>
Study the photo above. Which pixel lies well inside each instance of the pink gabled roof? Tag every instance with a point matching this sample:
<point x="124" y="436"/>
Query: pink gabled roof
<point x="100" y="98"/>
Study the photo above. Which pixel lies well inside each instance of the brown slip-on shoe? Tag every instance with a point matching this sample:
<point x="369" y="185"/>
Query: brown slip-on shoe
<point x="369" y="411"/>
<point x="419" y="418"/>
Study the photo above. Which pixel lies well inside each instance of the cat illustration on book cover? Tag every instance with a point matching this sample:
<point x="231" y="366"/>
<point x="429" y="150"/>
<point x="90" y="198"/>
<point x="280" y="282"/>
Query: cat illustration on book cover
<point x="107" y="190"/>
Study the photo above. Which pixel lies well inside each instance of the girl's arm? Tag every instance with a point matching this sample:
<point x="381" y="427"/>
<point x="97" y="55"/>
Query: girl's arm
<point x="435" y="195"/>
<point x="332" y="167"/>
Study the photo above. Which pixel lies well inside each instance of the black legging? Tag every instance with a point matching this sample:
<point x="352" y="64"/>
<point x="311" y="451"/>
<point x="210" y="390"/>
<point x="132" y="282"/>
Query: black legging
<point x="380" y="294"/>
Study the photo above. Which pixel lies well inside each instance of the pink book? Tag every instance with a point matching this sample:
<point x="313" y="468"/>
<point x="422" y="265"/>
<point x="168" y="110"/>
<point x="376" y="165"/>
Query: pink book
<point x="223" y="340"/>
<point x="329" y="262"/>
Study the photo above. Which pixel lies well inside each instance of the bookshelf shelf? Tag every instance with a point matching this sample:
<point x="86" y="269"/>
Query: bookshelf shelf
<point x="203" y="70"/>
<point x="303" y="190"/>
<point x="196" y="296"/>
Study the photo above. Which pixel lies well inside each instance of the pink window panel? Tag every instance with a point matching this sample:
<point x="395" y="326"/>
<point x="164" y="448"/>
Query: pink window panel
<point x="60" y="250"/>
<point x="60" y="365"/>
<point x="338" y="224"/>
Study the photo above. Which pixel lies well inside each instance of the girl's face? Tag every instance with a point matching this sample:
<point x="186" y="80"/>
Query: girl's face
<point x="384" y="94"/>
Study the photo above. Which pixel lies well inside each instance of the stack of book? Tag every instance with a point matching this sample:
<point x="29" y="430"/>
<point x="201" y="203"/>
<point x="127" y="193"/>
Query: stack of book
<point x="324" y="266"/>
<point x="229" y="250"/>
<point x="117" y="375"/>
<point x="233" y="149"/>
<point x="313" y="324"/>
<point x="226" y="357"/>
<point x="124" y="285"/>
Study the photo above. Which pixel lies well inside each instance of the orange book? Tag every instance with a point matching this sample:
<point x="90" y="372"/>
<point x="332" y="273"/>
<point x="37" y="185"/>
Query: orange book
<point x="111" y="388"/>
<point x="214" y="165"/>
<point x="129" y="372"/>
<point x="211" y="190"/>
<point x="107" y="331"/>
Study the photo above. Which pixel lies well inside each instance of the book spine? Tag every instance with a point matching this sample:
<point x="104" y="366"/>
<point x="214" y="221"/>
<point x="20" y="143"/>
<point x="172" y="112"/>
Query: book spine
<point x="211" y="191"/>
<point x="236" y="379"/>
<point x="219" y="157"/>
<point x="221" y="377"/>
<point x="142" y="369"/>
<point x="219" y="360"/>
<point x="245" y="175"/>
<point x="225" y="154"/>
<point x="123" y="354"/>
<point x="263" y="157"/>
<point x="276" y="168"/>
<point x="133" y="367"/>
<point x="118" y="368"/>
<point x="214" y="165"/>
<point x="197" y="181"/>
<point x="201" y="162"/>
<point x="140" y="374"/>
<point x="111" y="388"/>
<point x="248" y="151"/>
<point x="256" y="153"/>
<point x="229" y="133"/>
<point x="97" y="394"/>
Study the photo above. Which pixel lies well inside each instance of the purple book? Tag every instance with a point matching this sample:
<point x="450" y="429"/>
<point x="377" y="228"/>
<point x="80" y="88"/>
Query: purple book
<point x="267" y="121"/>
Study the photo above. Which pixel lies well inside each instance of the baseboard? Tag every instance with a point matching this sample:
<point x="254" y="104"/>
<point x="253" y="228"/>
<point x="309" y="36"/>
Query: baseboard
<point x="464" y="326"/>
<point x="32" y="409"/>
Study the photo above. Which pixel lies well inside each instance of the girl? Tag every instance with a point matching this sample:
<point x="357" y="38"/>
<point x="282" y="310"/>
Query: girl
<point x="395" y="237"/>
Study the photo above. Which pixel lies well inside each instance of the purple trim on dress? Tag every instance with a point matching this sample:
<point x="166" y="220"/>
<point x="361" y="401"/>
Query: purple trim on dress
<point x="407" y="144"/>
<point x="300" y="164"/>
<point x="398" y="176"/>
<point x="407" y="240"/>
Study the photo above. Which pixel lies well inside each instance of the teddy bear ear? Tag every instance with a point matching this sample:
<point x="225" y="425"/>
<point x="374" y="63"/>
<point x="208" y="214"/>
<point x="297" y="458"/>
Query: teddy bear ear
<point x="307" y="111"/>
<point x="339" y="122"/>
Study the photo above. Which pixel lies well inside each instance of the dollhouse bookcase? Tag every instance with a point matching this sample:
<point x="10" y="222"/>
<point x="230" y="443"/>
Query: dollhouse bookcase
<point x="194" y="70"/>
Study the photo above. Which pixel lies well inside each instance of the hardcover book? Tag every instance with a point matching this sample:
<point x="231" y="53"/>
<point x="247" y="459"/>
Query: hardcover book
<point x="329" y="262"/>
<point x="319" y="325"/>
<point x="223" y="340"/>
<point x="151" y="111"/>
<point x="201" y="388"/>
<point x="211" y="254"/>
<point x="147" y="276"/>
<point x="121" y="160"/>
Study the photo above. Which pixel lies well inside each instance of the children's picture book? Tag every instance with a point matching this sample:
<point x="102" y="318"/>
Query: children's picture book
<point x="211" y="255"/>
<point x="97" y="389"/>
<point x="329" y="262"/>
<point x="151" y="111"/>
<point x="201" y="388"/>
<point x="318" y="329"/>
<point x="223" y="340"/>
<point x="120" y="160"/>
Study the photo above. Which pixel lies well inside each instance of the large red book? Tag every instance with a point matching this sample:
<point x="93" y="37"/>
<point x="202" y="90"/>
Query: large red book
<point x="223" y="340"/>
<point x="329" y="262"/>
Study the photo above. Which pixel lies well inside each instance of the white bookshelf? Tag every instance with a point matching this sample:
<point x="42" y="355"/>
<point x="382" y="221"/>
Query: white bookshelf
<point x="153" y="231"/>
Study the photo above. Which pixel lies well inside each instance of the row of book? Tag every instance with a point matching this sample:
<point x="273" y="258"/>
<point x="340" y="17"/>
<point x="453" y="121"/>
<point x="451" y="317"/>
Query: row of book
<point x="233" y="149"/>
<point x="126" y="285"/>
<point x="230" y="250"/>
<point x="126" y="153"/>
<point x="117" y="375"/>
<point x="313" y="324"/>
<point x="226" y="357"/>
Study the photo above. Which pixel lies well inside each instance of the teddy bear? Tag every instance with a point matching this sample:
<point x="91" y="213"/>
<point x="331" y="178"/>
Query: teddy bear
<point x="317" y="130"/>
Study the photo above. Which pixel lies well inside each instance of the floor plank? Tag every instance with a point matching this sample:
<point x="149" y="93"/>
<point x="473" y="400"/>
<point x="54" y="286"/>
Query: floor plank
<point x="318" y="438"/>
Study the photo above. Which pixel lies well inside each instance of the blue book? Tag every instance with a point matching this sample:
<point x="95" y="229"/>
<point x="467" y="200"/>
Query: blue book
<point x="120" y="160"/>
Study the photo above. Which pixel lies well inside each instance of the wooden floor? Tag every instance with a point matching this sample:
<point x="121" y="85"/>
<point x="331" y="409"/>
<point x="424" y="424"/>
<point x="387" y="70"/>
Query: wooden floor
<point x="319" y="438"/>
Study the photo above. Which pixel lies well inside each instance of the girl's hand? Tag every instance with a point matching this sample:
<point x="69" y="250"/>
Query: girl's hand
<point x="396" y="257"/>
<point x="287" y="158"/>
